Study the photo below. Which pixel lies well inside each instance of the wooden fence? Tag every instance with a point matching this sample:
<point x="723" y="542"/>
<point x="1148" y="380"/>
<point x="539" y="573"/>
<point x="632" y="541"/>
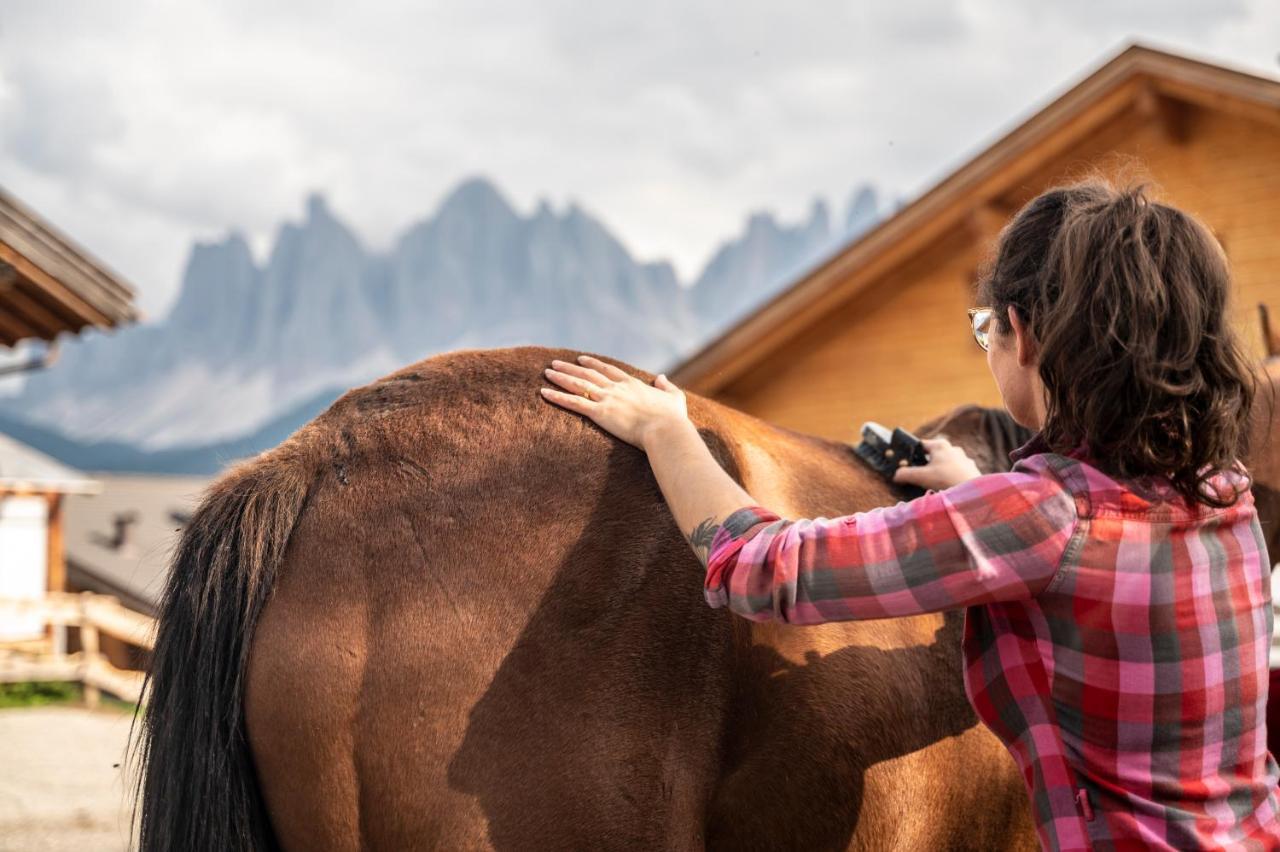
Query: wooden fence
<point x="94" y="615"/>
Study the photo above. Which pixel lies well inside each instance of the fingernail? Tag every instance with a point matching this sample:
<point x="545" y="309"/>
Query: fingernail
<point x="548" y="371"/>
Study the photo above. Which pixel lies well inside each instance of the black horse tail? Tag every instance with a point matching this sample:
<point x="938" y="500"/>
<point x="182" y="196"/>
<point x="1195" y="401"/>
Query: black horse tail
<point x="197" y="789"/>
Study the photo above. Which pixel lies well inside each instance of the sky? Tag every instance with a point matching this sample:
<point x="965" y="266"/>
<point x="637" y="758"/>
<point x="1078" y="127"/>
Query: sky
<point x="140" y="127"/>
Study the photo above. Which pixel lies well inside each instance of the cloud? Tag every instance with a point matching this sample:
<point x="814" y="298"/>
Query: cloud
<point x="671" y="120"/>
<point x="55" y="124"/>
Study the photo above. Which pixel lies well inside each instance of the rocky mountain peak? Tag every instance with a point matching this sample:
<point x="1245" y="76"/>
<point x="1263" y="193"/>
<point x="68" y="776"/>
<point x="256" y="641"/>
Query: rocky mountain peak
<point x="475" y="199"/>
<point x="247" y="342"/>
<point x="864" y="210"/>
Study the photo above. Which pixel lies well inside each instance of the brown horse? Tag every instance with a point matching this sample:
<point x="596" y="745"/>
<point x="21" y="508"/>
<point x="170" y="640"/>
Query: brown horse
<point x="1264" y="455"/>
<point x="447" y="614"/>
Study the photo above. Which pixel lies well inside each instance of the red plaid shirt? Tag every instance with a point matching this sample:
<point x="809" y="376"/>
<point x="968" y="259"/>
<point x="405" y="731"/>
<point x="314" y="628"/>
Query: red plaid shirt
<point x="1115" y="640"/>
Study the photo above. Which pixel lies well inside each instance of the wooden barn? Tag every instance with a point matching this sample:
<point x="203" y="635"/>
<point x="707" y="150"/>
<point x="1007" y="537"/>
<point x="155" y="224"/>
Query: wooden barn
<point x="48" y="287"/>
<point x="879" y="331"/>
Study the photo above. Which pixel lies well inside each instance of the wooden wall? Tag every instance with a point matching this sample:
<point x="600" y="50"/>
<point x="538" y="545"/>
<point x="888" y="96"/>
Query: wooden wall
<point x="900" y="351"/>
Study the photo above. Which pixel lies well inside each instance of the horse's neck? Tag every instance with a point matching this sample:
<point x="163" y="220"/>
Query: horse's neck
<point x="798" y="475"/>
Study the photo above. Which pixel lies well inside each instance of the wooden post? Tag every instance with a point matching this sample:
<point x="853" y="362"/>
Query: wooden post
<point x="1270" y="340"/>
<point x="88" y="653"/>
<point x="1172" y="116"/>
<point x="56" y="571"/>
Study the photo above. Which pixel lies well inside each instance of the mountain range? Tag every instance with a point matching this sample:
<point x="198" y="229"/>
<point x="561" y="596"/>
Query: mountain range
<point x="251" y="347"/>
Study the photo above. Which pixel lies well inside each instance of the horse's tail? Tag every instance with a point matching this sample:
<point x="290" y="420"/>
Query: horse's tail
<point x="197" y="790"/>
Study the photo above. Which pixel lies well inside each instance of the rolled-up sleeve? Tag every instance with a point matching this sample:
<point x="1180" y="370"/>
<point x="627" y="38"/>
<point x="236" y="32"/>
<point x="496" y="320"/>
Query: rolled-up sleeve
<point x="993" y="538"/>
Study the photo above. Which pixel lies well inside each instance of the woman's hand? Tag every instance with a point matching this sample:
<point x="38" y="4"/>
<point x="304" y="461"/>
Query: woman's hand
<point x="619" y="403"/>
<point x="948" y="465"/>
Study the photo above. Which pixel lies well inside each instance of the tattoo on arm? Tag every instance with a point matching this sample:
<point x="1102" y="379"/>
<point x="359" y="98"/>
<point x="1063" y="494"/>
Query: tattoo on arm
<point x="701" y="537"/>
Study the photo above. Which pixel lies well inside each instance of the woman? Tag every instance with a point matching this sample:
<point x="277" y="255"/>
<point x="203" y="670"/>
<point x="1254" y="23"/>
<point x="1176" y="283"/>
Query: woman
<point x="1116" y="580"/>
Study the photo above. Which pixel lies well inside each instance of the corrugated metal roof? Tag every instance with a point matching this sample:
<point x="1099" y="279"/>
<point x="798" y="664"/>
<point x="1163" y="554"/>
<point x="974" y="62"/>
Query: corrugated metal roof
<point x="133" y="566"/>
<point x="25" y="469"/>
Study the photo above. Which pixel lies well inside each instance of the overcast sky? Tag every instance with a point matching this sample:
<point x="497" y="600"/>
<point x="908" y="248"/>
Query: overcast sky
<point x="140" y="126"/>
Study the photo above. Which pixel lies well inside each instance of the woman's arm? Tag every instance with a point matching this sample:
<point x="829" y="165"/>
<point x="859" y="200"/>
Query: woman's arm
<point x="995" y="538"/>
<point x="989" y="538"/>
<point x="698" y="491"/>
<point x="654" y="418"/>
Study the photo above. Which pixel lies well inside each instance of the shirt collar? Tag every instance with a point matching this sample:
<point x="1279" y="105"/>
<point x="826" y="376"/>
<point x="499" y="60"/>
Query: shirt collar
<point x="1038" y="445"/>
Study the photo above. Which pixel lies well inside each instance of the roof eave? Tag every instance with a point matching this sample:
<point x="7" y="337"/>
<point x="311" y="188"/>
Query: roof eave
<point x="50" y="486"/>
<point x="49" y="285"/>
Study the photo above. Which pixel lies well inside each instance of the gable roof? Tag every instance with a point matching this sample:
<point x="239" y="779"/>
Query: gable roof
<point x="49" y="285"/>
<point x="26" y="470"/>
<point x="1154" y="82"/>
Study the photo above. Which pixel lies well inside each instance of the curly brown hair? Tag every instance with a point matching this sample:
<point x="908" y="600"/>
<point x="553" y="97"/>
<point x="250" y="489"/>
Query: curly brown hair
<point x="1127" y="299"/>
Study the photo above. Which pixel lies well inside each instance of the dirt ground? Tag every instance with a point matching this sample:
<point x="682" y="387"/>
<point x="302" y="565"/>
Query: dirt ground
<point x="60" y="784"/>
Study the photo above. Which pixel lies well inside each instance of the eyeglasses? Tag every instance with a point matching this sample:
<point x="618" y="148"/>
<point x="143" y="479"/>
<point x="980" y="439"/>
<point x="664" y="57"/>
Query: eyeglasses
<point x="980" y="319"/>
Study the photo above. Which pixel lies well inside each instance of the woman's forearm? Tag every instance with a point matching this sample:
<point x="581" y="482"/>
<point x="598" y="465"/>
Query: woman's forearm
<point x="698" y="491"/>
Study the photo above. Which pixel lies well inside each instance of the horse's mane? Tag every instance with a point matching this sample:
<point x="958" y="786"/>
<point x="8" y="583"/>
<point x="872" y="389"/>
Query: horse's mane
<point x="988" y="435"/>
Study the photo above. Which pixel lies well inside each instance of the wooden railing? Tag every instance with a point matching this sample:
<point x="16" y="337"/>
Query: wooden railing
<point x="94" y="615"/>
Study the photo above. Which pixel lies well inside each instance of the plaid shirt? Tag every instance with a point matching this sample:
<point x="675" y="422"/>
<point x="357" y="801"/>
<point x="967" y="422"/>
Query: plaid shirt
<point x="1115" y="641"/>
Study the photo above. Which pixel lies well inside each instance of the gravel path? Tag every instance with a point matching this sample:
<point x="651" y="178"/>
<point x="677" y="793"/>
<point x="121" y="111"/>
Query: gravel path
<point x="60" y="784"/>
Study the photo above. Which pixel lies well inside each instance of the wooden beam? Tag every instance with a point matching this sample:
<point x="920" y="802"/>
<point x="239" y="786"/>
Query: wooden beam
<point x="105" y="612"/>
<point x="1171" y="115"/>
<point x="985" y="222"/>
<point x="58" y="291"/>
<point x="55" y="559"/>
<point x="124" y="684"/>
<point x="20" y="670"/>
<point x="56" y="556"/>
<point x="1270" y="338"/>
<point x="119" y="621"/>
<point x="89" y="647"/>
<point x="35" y="315"/>
<point x="982" y="227"/>
<point x="12" y="329"/>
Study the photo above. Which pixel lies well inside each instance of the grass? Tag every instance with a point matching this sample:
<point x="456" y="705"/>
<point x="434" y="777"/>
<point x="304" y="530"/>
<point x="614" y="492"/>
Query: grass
<point x="52" y="693"/>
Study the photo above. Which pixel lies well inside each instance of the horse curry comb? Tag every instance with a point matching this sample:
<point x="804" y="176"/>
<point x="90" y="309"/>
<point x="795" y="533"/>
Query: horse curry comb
<point x="885" y="451"/>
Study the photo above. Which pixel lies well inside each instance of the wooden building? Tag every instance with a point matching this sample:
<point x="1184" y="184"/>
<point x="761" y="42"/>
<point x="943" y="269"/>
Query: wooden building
<point x="879" y="331"/>
<point x="32" y="555"/>
<point x="48" y="286"/>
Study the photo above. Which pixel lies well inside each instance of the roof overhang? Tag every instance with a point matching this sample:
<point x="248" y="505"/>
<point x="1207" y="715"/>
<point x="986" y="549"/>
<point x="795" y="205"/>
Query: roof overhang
<point x="1151" y="81"/>
<point x="48" y="285"/>
<point x="24" y="471"/>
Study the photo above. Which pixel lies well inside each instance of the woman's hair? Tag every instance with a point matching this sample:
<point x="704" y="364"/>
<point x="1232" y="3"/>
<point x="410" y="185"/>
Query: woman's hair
<point x="1127" y="300"/>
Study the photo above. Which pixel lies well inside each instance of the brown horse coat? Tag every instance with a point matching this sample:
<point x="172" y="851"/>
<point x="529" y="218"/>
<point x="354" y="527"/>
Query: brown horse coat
<point x="457" y="616"/>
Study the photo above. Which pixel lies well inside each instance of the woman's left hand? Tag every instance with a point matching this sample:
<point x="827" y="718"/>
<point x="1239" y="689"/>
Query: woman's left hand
<point x="618" y="402"/>
<point x="948" y="465"/>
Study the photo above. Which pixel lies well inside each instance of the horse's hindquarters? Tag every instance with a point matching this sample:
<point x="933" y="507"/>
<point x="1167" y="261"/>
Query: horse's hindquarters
<point x="419" y="682"/>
